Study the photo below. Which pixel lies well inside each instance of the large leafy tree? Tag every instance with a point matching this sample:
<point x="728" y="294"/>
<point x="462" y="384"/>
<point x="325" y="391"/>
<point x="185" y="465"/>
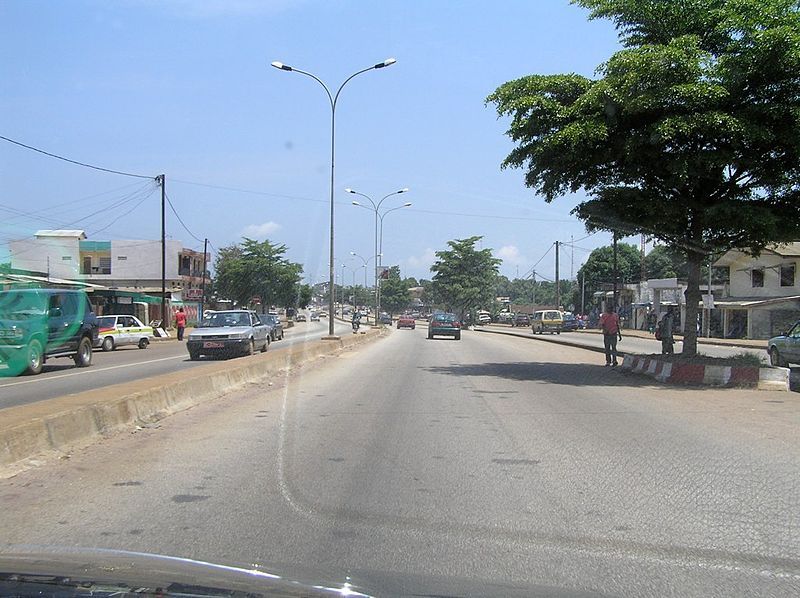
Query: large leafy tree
<point x="689" y="134"/>
<point x="394" y="291"/>
<point x="597" y="273"/>
<point x="259" y="269"/>
<point x="464" y="277"/>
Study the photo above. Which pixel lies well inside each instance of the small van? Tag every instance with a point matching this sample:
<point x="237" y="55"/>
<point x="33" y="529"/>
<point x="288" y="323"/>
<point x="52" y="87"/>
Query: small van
<point x="547" y="320"/>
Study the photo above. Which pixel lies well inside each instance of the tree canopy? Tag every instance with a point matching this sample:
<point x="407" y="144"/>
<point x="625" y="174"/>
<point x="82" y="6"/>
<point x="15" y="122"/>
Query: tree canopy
<point x="597" y="273"/>
<point x="464" y="277"/>
<point x="395" y="295"/>
<point x="254" y="269"/>
<point x="690" y="134"/>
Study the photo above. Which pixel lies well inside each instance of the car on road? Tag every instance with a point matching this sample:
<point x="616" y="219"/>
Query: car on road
<point x="385" y="318"/>
<point x="227" y="333"/>
<point x="314" y="316"/>
<point x="547" y="320"/>
<point x="275" y="326"/>
<point x="37" y="324"/>
<point x="569" y="322"/>
<point x="323" y="314"/>
<point x="521" y="320"/>
<point x="484" y="317"/>
<point x="300" y="318"/>
<point x="406" y="321"/>
<point x="117" y="331"/>
<point x="444" y="325"/>
<point x="785" y="348"/>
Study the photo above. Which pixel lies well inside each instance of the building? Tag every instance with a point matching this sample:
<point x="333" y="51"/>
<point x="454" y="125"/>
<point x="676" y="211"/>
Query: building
<point x="124" y="272"/>
<point x="762" y="296"/>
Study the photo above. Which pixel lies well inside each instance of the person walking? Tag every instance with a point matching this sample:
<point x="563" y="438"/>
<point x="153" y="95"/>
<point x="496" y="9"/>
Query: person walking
<point x="609" y="324"/>
<point x="180" y="322"/>
<point x="666" y="329"/>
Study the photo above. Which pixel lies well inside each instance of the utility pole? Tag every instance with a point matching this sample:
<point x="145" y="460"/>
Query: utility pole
<point x="165" y="322"/>
<point x="203" y="285"/>
<point x="616" y="272"/>
<point x="583" y="293"/>
<point x="572" y="258"/>
<point x="48" y="268"/>
<point x="558" y="289"/>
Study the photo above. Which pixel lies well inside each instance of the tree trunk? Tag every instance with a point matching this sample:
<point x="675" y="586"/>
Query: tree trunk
<point x="694" y="264"/>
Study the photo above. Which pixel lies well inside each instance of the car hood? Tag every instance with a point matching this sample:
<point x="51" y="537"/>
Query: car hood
<point x="220" y="330"/>
<point x="36" y="570"/>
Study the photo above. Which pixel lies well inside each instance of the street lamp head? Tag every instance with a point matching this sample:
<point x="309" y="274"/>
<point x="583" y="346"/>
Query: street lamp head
<point x="387" y="62"/>
<point x="407" y="204"/>
<point x="355" y="203"/>
<point x="352" y="253"/>
<point x="349" y="190"/>
<point x="280" y="65"/>
<point x="404" y="190"/>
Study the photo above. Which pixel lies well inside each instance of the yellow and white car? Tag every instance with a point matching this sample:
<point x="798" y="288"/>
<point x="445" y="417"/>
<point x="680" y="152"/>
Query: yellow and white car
<point x="116" y="331"/>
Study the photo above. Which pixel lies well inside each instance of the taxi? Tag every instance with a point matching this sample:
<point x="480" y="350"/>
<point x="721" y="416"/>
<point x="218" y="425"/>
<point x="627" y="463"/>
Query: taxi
<point x="116" y="331"/>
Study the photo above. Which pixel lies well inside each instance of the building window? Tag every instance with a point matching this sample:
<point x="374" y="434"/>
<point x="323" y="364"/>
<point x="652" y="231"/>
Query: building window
<point x="757" y="277"/>
<point x="66" y="258"/>
<point x="122" y="258"/>
<point x="787" y="275"/>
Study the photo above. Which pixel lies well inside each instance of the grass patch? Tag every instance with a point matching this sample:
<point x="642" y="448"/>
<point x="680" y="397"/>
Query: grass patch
<point x="742" y="359"/>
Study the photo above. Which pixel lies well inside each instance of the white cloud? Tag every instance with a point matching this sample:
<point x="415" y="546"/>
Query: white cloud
<point x="260" y="231"/>
<point x="509" y="254"/>
<point x="424" y="261"/>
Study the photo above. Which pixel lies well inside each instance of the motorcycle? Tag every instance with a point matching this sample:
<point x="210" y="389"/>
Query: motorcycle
<point x="356" y="324"/>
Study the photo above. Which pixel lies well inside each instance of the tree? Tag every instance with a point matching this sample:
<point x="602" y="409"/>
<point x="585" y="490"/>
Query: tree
<point x="691" y="133"/>
<point x="464" y="278"/>
<point x="256" y="269"/>
<point x="597" y="273"/>
<point x="394" y="292"/>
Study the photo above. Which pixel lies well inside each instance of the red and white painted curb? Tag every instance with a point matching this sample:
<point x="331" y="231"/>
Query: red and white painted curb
<point x="763" y="378"/>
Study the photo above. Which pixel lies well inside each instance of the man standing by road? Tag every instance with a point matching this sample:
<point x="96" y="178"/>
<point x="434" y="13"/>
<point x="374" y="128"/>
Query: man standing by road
<point x="609" y="324"/>
<point x="180" y="322"/>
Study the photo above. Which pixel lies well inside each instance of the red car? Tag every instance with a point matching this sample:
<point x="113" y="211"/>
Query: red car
<point x="406" y="321"/>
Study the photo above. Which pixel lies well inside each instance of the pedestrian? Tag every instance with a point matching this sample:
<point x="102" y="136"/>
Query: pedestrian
<point x="665" y="328"/>
<point x="180" y="322"/>
<point x="609" y="324"/>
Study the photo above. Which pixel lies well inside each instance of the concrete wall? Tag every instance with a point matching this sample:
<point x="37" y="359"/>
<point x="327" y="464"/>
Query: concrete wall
<point x="32" y="255"/>
<point x="741" y="284"/>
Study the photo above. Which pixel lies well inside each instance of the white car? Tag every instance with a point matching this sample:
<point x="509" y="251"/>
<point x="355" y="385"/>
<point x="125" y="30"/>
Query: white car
<point x="116" y="331"/>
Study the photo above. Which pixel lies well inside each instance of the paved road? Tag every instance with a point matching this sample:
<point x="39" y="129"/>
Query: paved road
<point x="491" y="458"/>
<point x="60" y="377"/>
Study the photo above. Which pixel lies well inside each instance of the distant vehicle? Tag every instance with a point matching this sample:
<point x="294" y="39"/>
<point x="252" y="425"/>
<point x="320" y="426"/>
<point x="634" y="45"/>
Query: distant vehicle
<point x="385" y="318"/>
<point x="506" y="317"/>
<point x="484" y="317"/>
<point x="521" y="320"/>
<point x="117" y="331"/>
<point x="785" y="348"/>
<point x="300" y="318"/>
<point x="231" y="332"/>
<point x="314" y="316"/>
<point x="323" y="314"/>
<point x="569" y="322"/>
<point x="549" y="320"/>
<point x="406" y="321"/>
<point x="36" y="324"/>
<point x="415" y="315"/>
<point x="444" y="325"/>
<point x="273" y="321"/>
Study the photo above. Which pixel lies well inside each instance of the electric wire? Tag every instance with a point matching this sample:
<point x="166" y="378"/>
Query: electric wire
<point x="100" y="168"/>
<point x="186" y="228"/>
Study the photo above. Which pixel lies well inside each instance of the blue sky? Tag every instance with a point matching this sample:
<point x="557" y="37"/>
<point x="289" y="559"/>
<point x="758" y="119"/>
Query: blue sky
<point x="185" y="88"/>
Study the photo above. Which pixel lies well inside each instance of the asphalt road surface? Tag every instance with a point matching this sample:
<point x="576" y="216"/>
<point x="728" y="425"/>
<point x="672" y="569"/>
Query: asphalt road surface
<point x="490" y="458"/>
<point x="60" y="376"/>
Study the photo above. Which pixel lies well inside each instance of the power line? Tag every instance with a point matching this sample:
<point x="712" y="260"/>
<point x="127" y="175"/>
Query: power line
<point x="186" y="228"/>
<point x="36" y="149"/>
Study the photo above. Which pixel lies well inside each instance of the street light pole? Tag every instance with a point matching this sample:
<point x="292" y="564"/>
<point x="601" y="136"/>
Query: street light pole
<point x="378" y="252"/>
<point x="333" y="100"/>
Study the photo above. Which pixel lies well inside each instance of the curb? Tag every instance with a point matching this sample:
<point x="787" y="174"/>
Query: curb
<point x="73" y="421"/>
<point x="558" y="341"/>
<point x="762" y="378"/>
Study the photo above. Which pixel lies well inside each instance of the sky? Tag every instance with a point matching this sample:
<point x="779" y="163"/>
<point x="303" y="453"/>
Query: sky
<point x="185" y="88"/>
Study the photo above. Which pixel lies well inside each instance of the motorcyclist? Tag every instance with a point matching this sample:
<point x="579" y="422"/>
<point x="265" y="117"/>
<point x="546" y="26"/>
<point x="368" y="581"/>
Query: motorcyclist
<point x="356" y="320"/>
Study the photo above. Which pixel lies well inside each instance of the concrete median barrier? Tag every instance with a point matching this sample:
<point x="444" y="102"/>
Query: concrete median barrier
<point x="29" y="433"/>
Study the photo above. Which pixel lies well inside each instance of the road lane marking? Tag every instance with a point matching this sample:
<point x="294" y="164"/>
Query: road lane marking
<point x="87" y="370"/>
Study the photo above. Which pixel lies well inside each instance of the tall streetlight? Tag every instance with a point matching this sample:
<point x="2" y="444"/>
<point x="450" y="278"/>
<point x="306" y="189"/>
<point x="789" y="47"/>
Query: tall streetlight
<point x="333" y="100"/>
<point x="376" y="208"/>
<point x="364" y="264"/>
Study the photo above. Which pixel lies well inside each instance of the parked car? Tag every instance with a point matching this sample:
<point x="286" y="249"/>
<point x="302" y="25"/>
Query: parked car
<point x="300" y="318"/>
<point x="548" y="320"/>
<point x="521" y="320"/>
<point x="444" y="325"/>
<point x="406" y="321"/>
<point x="569" y="322"/>
<point x="275" y="326"/>
<point x="785" y="348"/>
<point x="117" y="331"/>
<point x="38" y="324"/>
<point x="230" y="332"/>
